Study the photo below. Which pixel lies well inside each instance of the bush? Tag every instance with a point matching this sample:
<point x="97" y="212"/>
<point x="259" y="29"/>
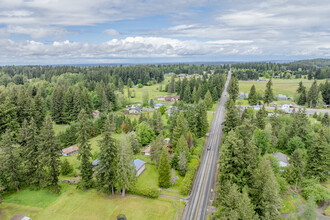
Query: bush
<point x="66" y="167"/>
<point x="147" y="191"/>
<point x="140" y="85"/>
<point x="312" y="187"/>
<point x="187" y="181"/>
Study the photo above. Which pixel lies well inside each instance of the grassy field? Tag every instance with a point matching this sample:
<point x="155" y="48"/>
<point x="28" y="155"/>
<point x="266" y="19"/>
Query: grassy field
<point x="59" y="128"/>
<point x="74" y="204"/>
<point x="290" y="203"/>
<point x="280" y="86"/>
<point x="153" y="91"/>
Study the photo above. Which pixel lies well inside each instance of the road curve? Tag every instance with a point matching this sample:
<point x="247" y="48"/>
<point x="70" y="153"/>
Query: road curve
<point x="198" y="200"/>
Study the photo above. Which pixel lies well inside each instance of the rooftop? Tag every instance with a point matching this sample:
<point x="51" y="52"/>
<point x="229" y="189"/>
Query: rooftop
<point x="70" y="149"/>
<point x="138" y="163"/>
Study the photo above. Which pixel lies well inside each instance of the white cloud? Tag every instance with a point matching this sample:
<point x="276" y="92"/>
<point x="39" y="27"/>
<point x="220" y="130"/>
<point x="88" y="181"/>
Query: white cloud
<point x="111" y="32"/>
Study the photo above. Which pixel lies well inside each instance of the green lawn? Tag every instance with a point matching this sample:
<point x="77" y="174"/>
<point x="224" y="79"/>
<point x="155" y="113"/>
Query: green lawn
<point x="76" y="204"/>
<point x="149" y="177"/>
<point x="290" y="203"/>
<point x="280" y="86"/>
<point x="59" y="128"/>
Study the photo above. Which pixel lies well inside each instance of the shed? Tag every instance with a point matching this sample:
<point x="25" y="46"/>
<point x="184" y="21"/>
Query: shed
<point x="283" y="159"/>
<point x="70" y="151"/>
<point x="140" y="166"/>
<point x="167" y="140"/>
<point x="146" y="151"/>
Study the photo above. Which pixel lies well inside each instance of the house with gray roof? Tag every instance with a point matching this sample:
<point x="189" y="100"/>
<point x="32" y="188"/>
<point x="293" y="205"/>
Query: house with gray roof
<point x="283" y="159"/>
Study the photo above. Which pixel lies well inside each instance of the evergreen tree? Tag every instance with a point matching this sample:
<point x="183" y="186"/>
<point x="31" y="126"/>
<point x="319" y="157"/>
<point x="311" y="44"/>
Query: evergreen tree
<point x="84" y="153"/>
<point x="49" y="149"/>
<point x="38" y="110"/>
<point x="326" y="120"/>
<point x="164" y="170"/>
<point x="182" y="146"/>
<point x="233" y="89"/>
<point x="253" y="100"/>
<point x="269" y="92"/>
<point x="260" y="119"/>
<point x="231" y="118"/>
<point x="10" y="161"/>
<point x="237" y="161"/>
<point x="318" y="160"/>
<point x="202" y="123"/>
<point x="108" y="156"/>
<point x="302" y="91"/>
<point x="66" y="167"/>
<point x="208" y="100"/>
<point x="31" y="154"/>
<point x="182" y="163"/>
<point x="8" y="116"/>
<point x="145" y="133"/>
<point x="157" y="122"/>
<point x="181" y="128"/>
<point x="56" y="105"/>
<point x="261" y="141"/>
<point x="187" y="94"/>
<point x="125" y="176"/>
<point x="313" y="94"/>
<point x="134" y="141"/>
<point x="265" y="191"/>
<point x="156" y="148"/>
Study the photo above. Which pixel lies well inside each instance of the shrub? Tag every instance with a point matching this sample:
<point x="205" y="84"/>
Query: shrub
<point x="187" y="181"/>
<point x="66" y="167"/>
<point x="312" y="187"/>
<point x="146" y="191"/>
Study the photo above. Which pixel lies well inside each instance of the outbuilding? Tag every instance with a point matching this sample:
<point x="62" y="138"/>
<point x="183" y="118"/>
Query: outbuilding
<point x="283" y="160"/>
<point x="70" y="151"/>
<point x="140" y="166"/>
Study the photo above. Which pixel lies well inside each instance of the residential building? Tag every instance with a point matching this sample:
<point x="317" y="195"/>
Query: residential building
<point x="96" y="114"/>
<point x="283" y="160"/>
<point x="20" y="217"/>
<point x="146" y="150"/>
<point x="135" y="109"/>
<point x="158" y="105"/>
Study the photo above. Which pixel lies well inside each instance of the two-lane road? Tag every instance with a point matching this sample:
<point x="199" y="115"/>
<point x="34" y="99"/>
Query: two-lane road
<point x="198" y="199"/>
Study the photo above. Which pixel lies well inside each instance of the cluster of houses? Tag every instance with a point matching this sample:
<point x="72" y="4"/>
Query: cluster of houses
<point x="169" y="98"/>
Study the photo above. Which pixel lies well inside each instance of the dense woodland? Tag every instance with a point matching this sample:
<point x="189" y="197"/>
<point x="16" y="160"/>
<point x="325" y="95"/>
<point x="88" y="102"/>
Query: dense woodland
<point x="252" y="71"/>
<point x="33" y="98"/>
<point x="251" y="184"/>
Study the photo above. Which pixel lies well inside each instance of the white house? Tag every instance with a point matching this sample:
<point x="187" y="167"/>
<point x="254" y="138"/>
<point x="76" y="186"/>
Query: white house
<point x="140" y="166"/>
<point x="158" y="105"/>
<point x="283" y="160"/>
<point x="285" y="105"/>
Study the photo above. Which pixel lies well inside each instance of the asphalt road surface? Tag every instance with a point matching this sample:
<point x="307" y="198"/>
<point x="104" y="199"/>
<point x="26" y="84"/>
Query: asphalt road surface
<point x="199" y="198"/>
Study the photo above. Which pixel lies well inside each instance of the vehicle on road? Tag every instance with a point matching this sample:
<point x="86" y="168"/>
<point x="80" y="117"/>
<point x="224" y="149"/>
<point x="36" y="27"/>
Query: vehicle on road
<point x="209" y="147"/>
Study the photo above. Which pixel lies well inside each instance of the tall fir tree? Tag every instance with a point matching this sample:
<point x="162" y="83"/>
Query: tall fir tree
<point x="260" y="119"/>
<point x="181" y="128"/>
<point x="302" y="94"/>
<point x="202" y="123"/>
<point x="265" y="191"/>
<point x="57" y="103"/>
<point x="164" y="170"/>
<point x="50" y="151"/>
<point x="108" y="156"/>
<point x="318" y="159"/>
<point x="38" y="110"/>
<point x="84" y="153"/>
<point x="10" y="161"/>
<point x="8" y="116"/>
<point x="313" y="94"/>
<point x="253" y="100"/>
<point x="208" y="99"/>
<point x="125" y="168"/>
<point x="269" y="97"/>
<point x="156" y="148"/>
<point x="233" y="89"/>
<point x="231" y="118"/>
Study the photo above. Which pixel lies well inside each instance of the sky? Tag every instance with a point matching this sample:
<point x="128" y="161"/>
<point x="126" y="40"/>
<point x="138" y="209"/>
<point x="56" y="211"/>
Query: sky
<point x="153" y="31"/>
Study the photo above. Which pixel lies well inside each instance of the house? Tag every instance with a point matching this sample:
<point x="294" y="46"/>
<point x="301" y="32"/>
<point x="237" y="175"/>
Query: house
<point x="96" y="162"/>
<point x="135" y="109"/>
<point x="96" y="114"/>
<point x="169" y="74"/>
<point x="243" y="95"/>
<point x="69" y="151"/>
<point x="273" y="104"/>
<point x="140" y="166"/>
<point x="282" y="97"/>
<point x="181" y="75"/>
<point x="285" y="105"/>
<point x="20" y="217"/>
<point x="172" y="98"/>
<point x="160" y="99"/>
<point x="146" y="150"/>
<point x="256" y="107"/>
<point x="283" y="160"/>
<point x="167" y="140"/>
<point x="158" y="105"/>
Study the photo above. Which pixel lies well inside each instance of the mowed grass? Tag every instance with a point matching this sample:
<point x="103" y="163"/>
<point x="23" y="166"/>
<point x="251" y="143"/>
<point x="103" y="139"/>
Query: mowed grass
<point x="290" y="203"/>
<point x="286" y="87"/>
<point x="89" y="205"/>
<point x="149" y="177"/>
<point x="40" y="198"/>
<point x="59" y="128"/>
